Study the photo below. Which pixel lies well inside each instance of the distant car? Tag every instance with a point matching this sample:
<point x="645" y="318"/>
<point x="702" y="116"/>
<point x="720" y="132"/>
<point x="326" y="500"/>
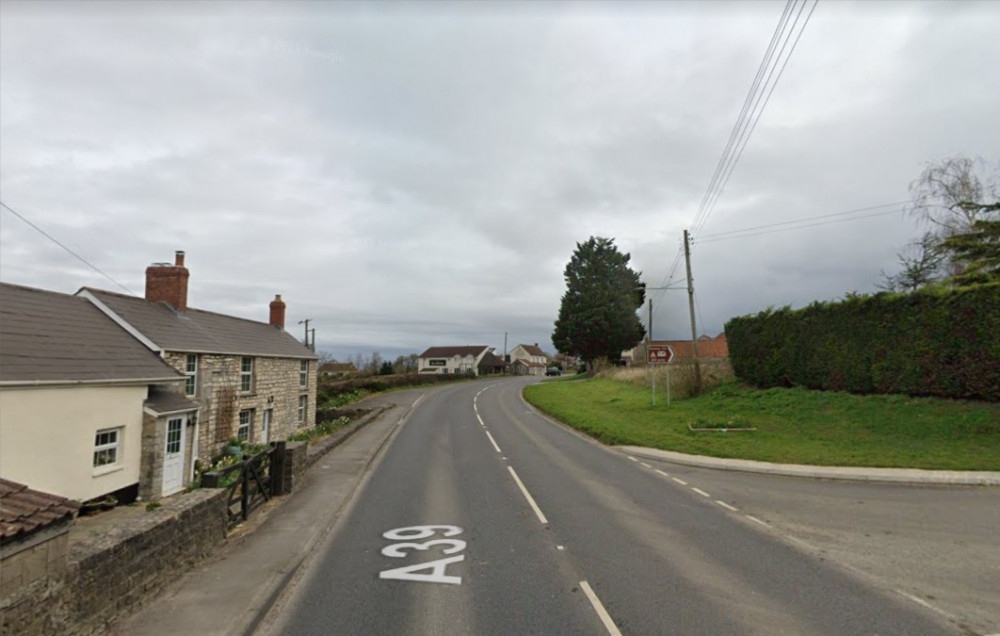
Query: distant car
<point x="553" y="371"/>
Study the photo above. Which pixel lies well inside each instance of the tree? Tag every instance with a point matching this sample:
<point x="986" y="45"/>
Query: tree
<point x="921" y="264"/>
<point x="949" y="195"/>
<point x="597" y="315"/>
<point x="979" y="248"/>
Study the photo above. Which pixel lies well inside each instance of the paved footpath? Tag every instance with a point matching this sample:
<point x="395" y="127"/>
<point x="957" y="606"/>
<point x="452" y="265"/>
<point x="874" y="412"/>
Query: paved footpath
<point x="227" y="594"/>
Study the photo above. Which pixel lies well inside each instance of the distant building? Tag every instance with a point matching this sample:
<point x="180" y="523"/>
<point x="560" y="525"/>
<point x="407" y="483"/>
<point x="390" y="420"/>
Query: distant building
<point x="528" y="360"/>
<point x="452" y="360"/>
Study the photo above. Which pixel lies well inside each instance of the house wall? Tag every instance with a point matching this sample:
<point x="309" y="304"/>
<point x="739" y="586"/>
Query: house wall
<point x="276" y="387"/>
<point x="452" y="365"/>
<point x="59" y="426"/>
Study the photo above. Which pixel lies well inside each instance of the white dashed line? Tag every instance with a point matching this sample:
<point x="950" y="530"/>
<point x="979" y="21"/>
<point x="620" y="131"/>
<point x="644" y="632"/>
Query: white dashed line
<point x="701" y="492"/>
<point x="726" y="506"/>
<point x="493" y="441"/>
<point x="632" y="458"/>
<point x="599" y="608"/>
<point x="644" y="465"/>
<point x="660" y="472"/>
<point x="680" y="481"/>
<point x="756" y="520"/>
<point x="527" y="495"/>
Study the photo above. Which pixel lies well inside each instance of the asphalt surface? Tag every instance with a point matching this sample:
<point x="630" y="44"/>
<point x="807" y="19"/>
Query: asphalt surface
<point x="539" y="530"/>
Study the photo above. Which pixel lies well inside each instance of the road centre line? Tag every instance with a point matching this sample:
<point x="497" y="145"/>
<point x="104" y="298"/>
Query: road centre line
<point x="644" y="465"/>
<point x="726" y="506"/>
<point x="493" y="441"/>
<point x="599" y="608"/>
<point x="756" y="520"/>
<point x="701" y="492"/>
<point x="632" y="458"/>
<point x="660" y="472"/>
<point x="527" y="495"/>
<point x="680" y="481"/>
<point x="920" y="601"/>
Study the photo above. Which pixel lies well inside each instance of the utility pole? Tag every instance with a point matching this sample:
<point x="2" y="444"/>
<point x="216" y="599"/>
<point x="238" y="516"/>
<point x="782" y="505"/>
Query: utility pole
<point x="694" y="328"/>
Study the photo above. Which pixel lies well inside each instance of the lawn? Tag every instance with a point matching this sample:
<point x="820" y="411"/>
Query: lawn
<point x="792" y="425"/>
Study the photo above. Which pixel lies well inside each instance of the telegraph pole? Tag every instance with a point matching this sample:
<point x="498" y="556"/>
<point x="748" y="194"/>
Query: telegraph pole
<point x="694" y="328"/>
<point x="306" y="322"/>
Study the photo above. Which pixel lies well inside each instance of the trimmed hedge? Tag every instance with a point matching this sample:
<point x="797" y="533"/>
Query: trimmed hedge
<point x="940" y="342"/>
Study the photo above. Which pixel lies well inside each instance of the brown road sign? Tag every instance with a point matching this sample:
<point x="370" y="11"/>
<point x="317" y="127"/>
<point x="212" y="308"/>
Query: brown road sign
<point x="659" y="354"/>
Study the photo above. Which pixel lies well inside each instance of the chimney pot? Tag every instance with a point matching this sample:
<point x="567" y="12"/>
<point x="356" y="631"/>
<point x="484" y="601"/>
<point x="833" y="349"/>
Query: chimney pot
<point x="277" y="312"/>
<point x="179" y="258"/>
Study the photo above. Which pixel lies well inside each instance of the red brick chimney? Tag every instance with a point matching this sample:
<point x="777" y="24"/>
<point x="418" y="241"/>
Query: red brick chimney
<point x="168" y="283"/>
<point x="278" y="312"/>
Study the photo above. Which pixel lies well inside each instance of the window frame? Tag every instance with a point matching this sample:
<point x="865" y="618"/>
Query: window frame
<point x="246" y="376"/>
<point x="303" y="409"/>
<point x="107" y="448"/>
<point x="303" y="373"/>
<point x="191" y="375"/>
<point x="244" y="431"/>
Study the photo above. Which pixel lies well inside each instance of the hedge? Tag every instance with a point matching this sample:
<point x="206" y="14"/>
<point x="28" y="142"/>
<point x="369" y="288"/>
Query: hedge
<point x="940" y="342"/>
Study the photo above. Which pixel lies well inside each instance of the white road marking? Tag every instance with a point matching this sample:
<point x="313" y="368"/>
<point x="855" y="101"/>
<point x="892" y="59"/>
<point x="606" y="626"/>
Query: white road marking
<point x="527" y="495"/>
<point x="725" y="505"/>
<point x="632" y="458"/>
<point x="644" y="465"/>
<point x="559" y="547"/>
<point x="756" y="520"/>
<point x="920" y="601"/>
<point x="680" y="481"/>
<point x="599" y="608"/>
<point x="799" y="541"/>
<point x="660" y="472"/>
<point x="701" y="492"/>
<point x="493" y="441"/>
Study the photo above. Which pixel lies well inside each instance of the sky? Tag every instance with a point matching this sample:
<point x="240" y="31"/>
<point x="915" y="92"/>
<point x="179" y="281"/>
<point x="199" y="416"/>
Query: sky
<point x="409" y="175"/>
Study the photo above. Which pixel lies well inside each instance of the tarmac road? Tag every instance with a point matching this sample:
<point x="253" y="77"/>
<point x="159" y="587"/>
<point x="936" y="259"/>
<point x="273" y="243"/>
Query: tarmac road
<point x="482" y="516"/>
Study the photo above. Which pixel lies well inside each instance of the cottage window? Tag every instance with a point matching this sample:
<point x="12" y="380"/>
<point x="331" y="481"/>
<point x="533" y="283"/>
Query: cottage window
<point x="246" y="375"/>
<point x="303" y="373"/>
<point x="191" y="373"/>
<point x="106" y="447"/>
<point x="303" y="404"/>
<point x="246" y="424"/>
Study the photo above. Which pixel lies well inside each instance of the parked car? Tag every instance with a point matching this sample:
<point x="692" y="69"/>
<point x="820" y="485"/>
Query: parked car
<point x="553" y="371"/>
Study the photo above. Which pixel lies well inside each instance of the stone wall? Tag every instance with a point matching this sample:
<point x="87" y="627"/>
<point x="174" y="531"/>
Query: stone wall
<point x="115" y="564"/>
<point x="275" y="387"/>
<point x="30" y="573"/>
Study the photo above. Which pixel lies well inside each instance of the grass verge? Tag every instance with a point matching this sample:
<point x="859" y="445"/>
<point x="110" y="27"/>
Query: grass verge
<point x="795" y="426"/>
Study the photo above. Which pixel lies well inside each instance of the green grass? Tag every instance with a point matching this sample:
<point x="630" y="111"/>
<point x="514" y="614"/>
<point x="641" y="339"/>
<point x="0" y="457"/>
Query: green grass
<point x="796" y="426"/>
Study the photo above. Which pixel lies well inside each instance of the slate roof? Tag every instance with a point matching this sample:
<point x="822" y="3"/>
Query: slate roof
<point x="533" y="350"/>
<point x="24" y="511"/>
<point x="48" y="337"/>
<point x="198" y="331"/>
<point x="491" y="361"/>
<point x="450" y="352"/>
<point x="163" y="401"/>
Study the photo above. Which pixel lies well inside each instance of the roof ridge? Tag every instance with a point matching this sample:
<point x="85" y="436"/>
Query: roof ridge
<point x="165" y="303"/>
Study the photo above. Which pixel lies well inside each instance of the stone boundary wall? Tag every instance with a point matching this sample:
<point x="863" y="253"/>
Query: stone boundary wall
<point x="112" y="569"/>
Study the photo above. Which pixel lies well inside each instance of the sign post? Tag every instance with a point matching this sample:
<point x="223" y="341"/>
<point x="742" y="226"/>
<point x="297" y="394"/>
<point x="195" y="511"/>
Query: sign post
<point x="659" y="354"/>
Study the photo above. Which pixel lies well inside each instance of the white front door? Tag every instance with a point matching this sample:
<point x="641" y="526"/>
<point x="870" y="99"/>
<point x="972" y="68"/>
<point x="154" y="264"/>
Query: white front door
<point x="265" y="427"/>
<point x="173" y="457"/>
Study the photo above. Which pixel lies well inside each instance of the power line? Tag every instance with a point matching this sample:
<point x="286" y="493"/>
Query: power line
<point x="803" y="219"/>
<point x="746" y="123"/>
<point x="54" y="240"/>
<point x="749" y="233"/>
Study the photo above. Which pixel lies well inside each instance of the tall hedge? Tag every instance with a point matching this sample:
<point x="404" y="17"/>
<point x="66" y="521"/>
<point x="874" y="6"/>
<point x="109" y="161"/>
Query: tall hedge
<point x="941" y="342"/>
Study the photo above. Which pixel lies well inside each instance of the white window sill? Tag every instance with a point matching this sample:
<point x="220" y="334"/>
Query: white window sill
<point x="100" y="471"/>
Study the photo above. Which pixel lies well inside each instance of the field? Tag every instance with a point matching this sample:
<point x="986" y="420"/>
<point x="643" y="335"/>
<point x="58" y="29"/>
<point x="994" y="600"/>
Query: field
<point x="791" y="425"/>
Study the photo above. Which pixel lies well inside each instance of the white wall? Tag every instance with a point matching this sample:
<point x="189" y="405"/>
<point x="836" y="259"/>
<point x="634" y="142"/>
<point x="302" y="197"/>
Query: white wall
<point x="47" y="438"/>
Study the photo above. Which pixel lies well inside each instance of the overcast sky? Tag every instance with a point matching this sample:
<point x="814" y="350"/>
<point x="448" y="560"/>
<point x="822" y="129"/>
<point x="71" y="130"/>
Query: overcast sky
<point x="409" y="175"/>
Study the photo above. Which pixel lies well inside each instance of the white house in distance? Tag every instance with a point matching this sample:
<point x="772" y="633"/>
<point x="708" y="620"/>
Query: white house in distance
<point x="451" y="360"/>
<point x="528" y="360"/>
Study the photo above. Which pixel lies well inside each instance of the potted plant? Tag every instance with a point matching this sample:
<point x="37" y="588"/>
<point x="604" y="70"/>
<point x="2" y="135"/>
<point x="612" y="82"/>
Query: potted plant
<point x="234" y="448"/>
